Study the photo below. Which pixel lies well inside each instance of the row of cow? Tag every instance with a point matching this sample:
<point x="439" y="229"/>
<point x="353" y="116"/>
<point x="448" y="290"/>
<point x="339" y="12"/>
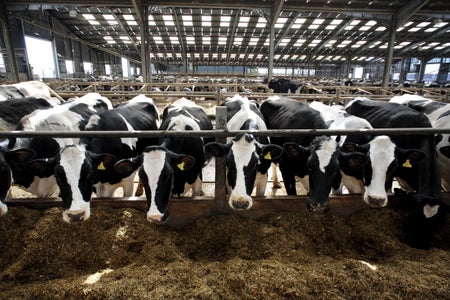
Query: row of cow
<point x="365" y="164"/>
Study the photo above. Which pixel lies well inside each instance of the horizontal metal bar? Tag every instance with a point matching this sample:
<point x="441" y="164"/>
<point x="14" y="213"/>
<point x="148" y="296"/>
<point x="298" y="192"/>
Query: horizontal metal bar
<point x="224" y="133"/>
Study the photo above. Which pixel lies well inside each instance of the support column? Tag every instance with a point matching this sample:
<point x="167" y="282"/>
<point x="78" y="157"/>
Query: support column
<point x="12" y="62"/>
<point x="423" y="63"/>
<point x="390" y="52"/>
<point x="145" y="46"/>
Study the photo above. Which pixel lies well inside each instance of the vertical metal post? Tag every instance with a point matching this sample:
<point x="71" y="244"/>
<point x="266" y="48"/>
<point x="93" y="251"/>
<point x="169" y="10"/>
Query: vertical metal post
<point x="390" y="52"/>
<point x="220" y="193"/>
<point x="4" y="24"/>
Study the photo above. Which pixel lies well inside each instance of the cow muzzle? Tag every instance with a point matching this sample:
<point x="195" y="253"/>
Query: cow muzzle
<point x="320" y="208"/>
<point x="72" y="216"/>
<point x="3" y="209"/>
<point x="376" y="201"/>
<point x="156" y="218"/>
<point x="241" y="203"/>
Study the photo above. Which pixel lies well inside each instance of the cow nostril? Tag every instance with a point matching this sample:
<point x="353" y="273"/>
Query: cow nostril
<point x="378" y="202"/>
<point x="76" y="217"/>
<point x="319" y="208"/>
<point x="240" y="204"/>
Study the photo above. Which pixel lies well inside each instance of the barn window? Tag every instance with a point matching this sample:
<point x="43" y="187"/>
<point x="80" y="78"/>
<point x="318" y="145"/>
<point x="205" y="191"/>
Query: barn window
<point x="42" y="61"/>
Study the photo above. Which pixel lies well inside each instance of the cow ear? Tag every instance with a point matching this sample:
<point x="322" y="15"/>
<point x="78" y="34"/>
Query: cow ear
<point x="103" y="161"/>
<point x="407" y="158"/>
<point x="184" y="162"/>
<point x="21" y="155"/>
<point x="445" y="151"/>
<point x="271" y="152"/>
<point x="42" y="167"/>
<point x="217" y="149"/>
<point x="294" y="150"/>
<point x="128" y="166"/>
<point x="353" y="160"/>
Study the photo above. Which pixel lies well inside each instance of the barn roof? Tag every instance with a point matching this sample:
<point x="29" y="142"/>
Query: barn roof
<point x="237" y="32"/>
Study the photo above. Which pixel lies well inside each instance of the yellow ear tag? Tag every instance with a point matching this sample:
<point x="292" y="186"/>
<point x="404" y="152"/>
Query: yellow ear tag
<point x="181" y="166"/>
<point x="101" y="166"/>
<point x="407" y="164"/>
<point x="267" y="156"/>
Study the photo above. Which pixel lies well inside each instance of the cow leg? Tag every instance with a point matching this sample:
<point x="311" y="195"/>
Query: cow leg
<point x="260" y="183"/>
<point x="197" y="187"/>
<point x="128" y="186"/>
<point x="275" y="181"/>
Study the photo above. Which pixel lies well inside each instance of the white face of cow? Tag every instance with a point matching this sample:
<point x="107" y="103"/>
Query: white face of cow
<point x="153" y="166"/>
<point x="381" y="154"/>
<point x="69" y="172"/>
<point x="242" y="163"/>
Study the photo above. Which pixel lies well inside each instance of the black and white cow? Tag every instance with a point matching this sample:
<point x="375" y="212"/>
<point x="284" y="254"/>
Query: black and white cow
<point x="439" y="115"/>
<point x="175" y="165"/>
<point x="16" y="164"/>
<point x="80" y="167"/>
<point x="366" y="150"/>
<point x="283" y="85"/>
<point x="14" y="109"/>
<point x="409" y="158"/>
<point x="248" y="158"/>
<point x="313" y="159"/>
<point x="24" y="89"/>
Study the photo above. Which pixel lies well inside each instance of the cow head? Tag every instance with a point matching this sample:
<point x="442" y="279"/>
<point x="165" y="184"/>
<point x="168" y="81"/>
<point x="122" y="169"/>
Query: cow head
<point x="318" y="161"/>
<point x="10" y="158"/>
<point x="385" y="158"/>
<point x="157" y="175"/>
<point x="243" y="157"/>
<point x="74" y="168"/>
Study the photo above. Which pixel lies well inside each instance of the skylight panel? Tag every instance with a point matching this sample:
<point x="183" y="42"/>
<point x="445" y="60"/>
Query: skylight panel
<point x="286" y="56"/>
<point x="112" y="23"/>
<point x="371" y="23"/>
<point x="243" y="21"/>
<point x="158" y="40"/>
<point x="414" y="29"/>
<point x="401" y="45"/>
<point x="298" y="23"/>
<point x="277" y="56"/>
<point x="190" y="40"/>
<point x="381" y="28"/>
<point x="132" y="23"/>
<point x="207" y="40"/>
<point x="299" y="42"/>
<point x="251" y="55"/>
<point x="124" y="38"/>
<point x="336" y="21"/>
<point x="364" y="28"/>
<point x="151" y="21"/>
<point x="318" y="21"/>
<point x="222" y="40"/>
<point x="174" y="40"/>
<point x="238" y="40"/>
<point x="108" y="17"/>
<point x="313" y="26"/>
<point x="94" y="22"/>
<point x="89" y="16"/>
<point x="206" y="21"/>
<point x="284" y="42"/>
<point x="440" y="24"/>
<point x="187" y="20"/>
<point x="344" y="44"/>
<point x="280" y="22"/>
<point x="224" y="21"/>
<point x="330" y="43"/>
<point x="349" y="27"/>
<point x="423" y="24"/>
<point x="253" y="41"/>
<point x="261" y="22"/>
<point x="384" y="46"/>
<point x="358" y="44"/>
<point x="168" y="20"/>
<point x="331" y="27"/>
<point x="355" y="22"/>
<point x="128" y="17"/>
<point x="431" y="29"/>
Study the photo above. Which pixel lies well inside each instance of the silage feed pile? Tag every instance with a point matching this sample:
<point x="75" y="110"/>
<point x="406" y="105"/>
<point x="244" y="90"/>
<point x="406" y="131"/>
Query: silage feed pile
<point x="117" y="254"/>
